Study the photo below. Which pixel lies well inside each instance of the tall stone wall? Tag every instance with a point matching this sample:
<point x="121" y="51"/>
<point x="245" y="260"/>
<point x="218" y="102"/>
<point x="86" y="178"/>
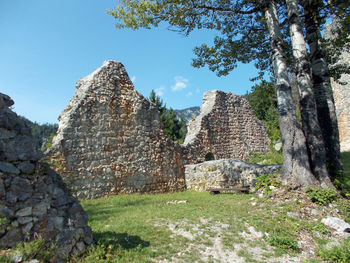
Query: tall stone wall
<point x="110" y="140"/>
<point x="341" y="94"/>
<point x="33" y="199"/>
<point x="226" y="128"/>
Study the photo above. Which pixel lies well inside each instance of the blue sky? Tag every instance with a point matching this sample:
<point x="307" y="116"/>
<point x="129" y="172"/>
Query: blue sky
<point x="47" y="45"/>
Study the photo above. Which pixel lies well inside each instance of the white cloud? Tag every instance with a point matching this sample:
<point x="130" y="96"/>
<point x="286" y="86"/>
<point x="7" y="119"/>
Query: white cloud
<point x="160" y="91"/>
<point x="180" y="83"/>
<point x="189" y="94"/>
<point x="133" y="79"/>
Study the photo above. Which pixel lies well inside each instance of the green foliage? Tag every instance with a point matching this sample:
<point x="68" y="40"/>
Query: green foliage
<point x="282" y="241"/>
<point x="4" y="259"/>
<point x="321" y="196"/>
<point x="266" y="180"/>
<point x="339" y="254"/>
<point x="3" y="220"/>
<point x="342" y="180"/>
<point x="262" y="99"/>
<point x="174" y="128"/>
<point x="271" y="157"/>
<point x="40" y="132"/>
<point x="36" y="249"/>
<point x="48" y="143"/>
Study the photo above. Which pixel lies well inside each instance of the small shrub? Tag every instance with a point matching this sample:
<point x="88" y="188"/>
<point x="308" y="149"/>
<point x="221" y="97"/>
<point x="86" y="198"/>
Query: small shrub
<point x="267" y="180"/>
<point x="283" y="242"/>
<point x="321" y="196"/>
<point x="339" y="254"/>
<point x="271" y="157"/>
<point x="4" y="259"/>
<point x="36" y="249"/>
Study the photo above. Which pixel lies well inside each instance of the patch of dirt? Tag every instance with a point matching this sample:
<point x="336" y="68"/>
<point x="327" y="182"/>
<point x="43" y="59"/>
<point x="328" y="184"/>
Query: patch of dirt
<point x="217" y="252"/>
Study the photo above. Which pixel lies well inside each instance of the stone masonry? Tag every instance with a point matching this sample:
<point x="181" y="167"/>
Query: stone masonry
<point x="110" y="140"/>
<point x="225" y="173"/>
<point x="33" y="199"/>
<point x="341" y="94"/>
<point x="226" y="128"/>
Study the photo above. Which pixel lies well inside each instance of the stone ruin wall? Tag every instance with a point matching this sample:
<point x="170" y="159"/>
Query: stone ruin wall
<point x="110" y="140"/>
<point x="33" y="199"/>
<point x="341" y="94"/>
<point x="225" y="173"/>
<point x="226" y="128"/>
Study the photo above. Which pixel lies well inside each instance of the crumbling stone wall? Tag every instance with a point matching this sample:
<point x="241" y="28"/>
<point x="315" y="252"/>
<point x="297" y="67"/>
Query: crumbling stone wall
<point x="33" y="199"/>
<point x="226" y="128"/>
<point x="225" y="173"/>
<point x="110" y="140"/>
<point x="341" y="94"/>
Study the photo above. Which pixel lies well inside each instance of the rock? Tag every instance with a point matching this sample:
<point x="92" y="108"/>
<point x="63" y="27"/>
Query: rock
<point x="11" y="238"/>
<point x="5" y="101"/>
<point x="6" y="212"/>
<point x="292" y="214"/>
<point x="337" y="224"/>
<point x="315" y="212"/>
<point x="255" y="234"/>
<point x="225" y="173"/>
<point x="2" y="189"/>
<point x="81" y="246"/>
<point x="27" y="228"/>
<point x="174" y="202"/>
<point x="278" y="146"/>
<point x="40" y="209"/>
<point x="16" y="257"/>
<point x="24" y="220"/>
<point x="26" y="167"/>
<point x="20" y="185"/>
<point x="27" y="211"/>
<point x="8" y="168"/>
<point x="32" y="261"/>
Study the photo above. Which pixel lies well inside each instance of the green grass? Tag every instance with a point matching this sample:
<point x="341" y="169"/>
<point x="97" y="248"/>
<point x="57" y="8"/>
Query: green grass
<point x="135" y="228"/>
<point x="271" y="157"/>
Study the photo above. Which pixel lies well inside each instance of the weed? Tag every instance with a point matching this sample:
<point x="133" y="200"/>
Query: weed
<point x="35" y="249"/>
<point x="283" y="242"/>
<point x="267" y="180"/>
<point x="339" y="254"/>
<point x="321" y="196"/>
<point x="271" y="157"/>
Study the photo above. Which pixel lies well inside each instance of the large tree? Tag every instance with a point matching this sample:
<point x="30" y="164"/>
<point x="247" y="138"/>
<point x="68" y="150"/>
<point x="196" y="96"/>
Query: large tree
<point x="242" y="27"/>
<point x="311" y="127"/>
<point x="315" y="14"/>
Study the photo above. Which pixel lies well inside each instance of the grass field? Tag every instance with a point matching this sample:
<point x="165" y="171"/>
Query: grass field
<point x="198" y="227"/>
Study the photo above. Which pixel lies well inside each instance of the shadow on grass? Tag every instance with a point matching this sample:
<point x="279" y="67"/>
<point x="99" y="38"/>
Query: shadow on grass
<point x="123" y="240"/>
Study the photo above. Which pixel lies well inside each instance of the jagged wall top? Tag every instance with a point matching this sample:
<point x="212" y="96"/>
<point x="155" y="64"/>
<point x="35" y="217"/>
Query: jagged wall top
<point x="225" y="128"/>
<point x="110" y="139"/>
<point x="16" y="142"/>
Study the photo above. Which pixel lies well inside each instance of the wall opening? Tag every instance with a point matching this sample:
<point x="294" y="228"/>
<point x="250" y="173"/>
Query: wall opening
<point x="209" y="157"/>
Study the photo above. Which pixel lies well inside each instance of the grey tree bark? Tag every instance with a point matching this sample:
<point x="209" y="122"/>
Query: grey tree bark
<point x="322" y="87"/>
<point x="296" y="167"/>
<point x="311" y="127"/>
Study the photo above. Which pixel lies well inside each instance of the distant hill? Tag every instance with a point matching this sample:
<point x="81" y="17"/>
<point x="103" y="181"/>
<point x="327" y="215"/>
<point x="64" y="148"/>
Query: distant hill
<point x="40" y="132"/>
<point x="188" y="113"/>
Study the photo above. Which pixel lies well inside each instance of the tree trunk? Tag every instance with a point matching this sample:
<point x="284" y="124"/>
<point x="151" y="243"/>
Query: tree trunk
<point x="296" y="168"/>
<point x="312" y="130"/>
<point x="322" y="87"/>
